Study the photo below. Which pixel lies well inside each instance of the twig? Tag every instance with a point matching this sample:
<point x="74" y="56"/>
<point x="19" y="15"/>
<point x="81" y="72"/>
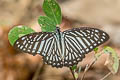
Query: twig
<point x="106" y="76"/>
<point x="35" y="77"/>
<point x="72" y="73"/>
<point x="87" y="68"/>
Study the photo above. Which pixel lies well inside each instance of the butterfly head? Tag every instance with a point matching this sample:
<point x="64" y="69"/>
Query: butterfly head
<point x="57" y="30"/>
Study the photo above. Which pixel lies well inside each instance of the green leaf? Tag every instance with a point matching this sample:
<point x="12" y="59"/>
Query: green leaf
<point x="112" y="61"/>
<point x="52" y="10"/>
<point x="47" y="25"/>
<point x="18" y="32"/>
<point x="76" y="75"/>
<point x="74" y="67"/>
<point x="96" y="49"/>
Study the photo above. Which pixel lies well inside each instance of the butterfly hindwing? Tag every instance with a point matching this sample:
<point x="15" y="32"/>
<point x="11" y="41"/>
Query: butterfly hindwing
<point x="71" y="53"/>
<point x="53" y="56"/>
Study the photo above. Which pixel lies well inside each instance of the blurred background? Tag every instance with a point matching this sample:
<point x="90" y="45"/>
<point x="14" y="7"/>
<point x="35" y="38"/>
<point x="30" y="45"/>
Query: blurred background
<point x="20" y="66"/>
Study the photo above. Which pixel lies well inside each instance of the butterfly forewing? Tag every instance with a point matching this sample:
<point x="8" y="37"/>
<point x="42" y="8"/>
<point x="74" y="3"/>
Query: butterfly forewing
<point x="34" y="43"/>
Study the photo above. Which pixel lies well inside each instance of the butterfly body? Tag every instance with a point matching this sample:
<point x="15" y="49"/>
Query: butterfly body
<point x="60" y="42"/>
<point x="65" y="48"/>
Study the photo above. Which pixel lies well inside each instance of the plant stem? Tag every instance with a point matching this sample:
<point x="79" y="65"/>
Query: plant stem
<point x="73" y="73"/>
<point x="106" y="76"/>
<point x="87" y="68"/>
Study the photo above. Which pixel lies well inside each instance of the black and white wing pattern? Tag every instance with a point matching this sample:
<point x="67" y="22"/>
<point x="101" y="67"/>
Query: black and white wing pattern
<point x="53" y="56"/>
<point x="64" y="49"/>
<point x="80" y="41"/>
<point x="34" y="43"/>
<point x="43" y="43"/>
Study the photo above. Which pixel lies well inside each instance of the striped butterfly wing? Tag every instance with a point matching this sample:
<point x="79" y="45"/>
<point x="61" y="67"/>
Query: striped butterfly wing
<point x="53" y="56"/>
<point x="43" y="43"/>
<point x="34" y="43"/>
<point x="80" y="41"/>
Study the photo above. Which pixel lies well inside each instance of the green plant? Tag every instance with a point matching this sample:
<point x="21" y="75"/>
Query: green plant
<point x="48" y="23"/>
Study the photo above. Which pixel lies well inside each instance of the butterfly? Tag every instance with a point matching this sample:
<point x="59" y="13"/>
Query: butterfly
<point x="61" y="49"/>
